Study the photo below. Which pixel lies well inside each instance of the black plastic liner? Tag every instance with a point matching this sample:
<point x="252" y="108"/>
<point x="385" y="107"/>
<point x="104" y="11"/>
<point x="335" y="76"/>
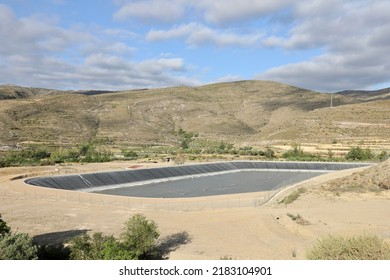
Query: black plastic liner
<point x="101" y="179"/>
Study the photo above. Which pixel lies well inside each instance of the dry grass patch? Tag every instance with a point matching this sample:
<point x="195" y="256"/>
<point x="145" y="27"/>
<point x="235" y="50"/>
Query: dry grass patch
<point x="362" y="247"/>
<point x="373" y="179"/>
<point x="298" y="219"/>
<point x="293" y="196"/>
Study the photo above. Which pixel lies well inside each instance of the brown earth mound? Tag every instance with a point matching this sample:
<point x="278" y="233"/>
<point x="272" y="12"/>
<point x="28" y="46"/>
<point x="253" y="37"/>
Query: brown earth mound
<point x="373" y="179"/>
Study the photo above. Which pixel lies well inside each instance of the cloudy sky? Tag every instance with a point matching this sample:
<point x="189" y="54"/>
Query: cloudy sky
<point x="324" y="45"/>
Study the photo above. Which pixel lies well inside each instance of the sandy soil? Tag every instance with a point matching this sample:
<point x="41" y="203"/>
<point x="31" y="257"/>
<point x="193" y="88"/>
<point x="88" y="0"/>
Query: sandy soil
<point x="244" y="232"/>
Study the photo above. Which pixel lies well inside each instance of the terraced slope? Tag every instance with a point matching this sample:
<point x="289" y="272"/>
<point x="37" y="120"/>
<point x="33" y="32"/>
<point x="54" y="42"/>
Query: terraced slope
<point x="257" y="113"/>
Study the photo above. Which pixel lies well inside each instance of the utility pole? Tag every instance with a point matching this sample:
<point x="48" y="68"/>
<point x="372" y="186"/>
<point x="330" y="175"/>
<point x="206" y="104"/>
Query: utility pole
<point x="331" y="100"/>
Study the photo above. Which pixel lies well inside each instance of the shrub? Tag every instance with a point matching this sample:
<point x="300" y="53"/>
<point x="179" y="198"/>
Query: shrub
<point x="53" y="252"/>
<point x="185" y="144"/>
<point x="86" y="148"/>
<point x="363" y="247"/>
<point x="138" y="241"/>
<point x="4" y="229"/>
<point x="293" y="196"/>
<point x="383" y="156"/>
<point x="140" y="236"/>
<point x="298" y="219"/>
<point x="85" y="247"/>
<point x="269" y="153"/>
<point x="130" y="154"/>
<point x="297" y="153"/>
<point x="31" y="156"/>
<point x="222" y="146"/>
<point x="385" y="184"/>
<point x="115" y="250"/>
<point x="186" y="138"/>
<point x="357" y="153"/>
<point x="17" y="246"/>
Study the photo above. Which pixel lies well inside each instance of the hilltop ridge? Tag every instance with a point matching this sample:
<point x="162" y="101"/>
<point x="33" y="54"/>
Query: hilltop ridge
<point x="243" y="113"/>
<point x="9" y="91"/>
<point x="368" y="95"/>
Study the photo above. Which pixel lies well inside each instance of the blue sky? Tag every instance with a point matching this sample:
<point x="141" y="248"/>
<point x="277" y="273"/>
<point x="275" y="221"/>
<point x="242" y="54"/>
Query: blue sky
<point x="324" y="45"/>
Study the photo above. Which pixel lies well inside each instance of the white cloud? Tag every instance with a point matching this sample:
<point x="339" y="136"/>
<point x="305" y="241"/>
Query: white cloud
<point x="36" y="53"/>
<point x="329" y="73"/>
<point x="349" y="37"/>
<point x="197" y="35"/>
<point x="228" y="78"/>
<point x="230" y="11"/>
<point x="116" y="73"/>
<point x="98" y="71"/>
<point x="34" y="35"/>
<point x="102" y="47"/>
<point x="219" y="12"/>
<point x="120" y="33"/>
<point x="353" y="36"/>
<point x="158" y="66"/>
<point x="151" y="10"/>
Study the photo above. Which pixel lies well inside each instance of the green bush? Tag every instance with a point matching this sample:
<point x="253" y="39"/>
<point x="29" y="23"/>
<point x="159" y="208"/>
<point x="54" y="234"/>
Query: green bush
<point x="138" y="241"/>
<point x="186" y="138"/>
<point x="222" y="147"/>
<point x="17" y="246"/>
<point x="40" y="156"/>
<point x="357" y="153"/>
<point x="269" y="153"/>
<point x="115" y="250"/>
<point x="98" y="247"/>
<point x="140" y="236"/>
<point x="86" y="148"/>
<point x="297" y="153"/>
<point x="130" y="154"/>
<point x="85" y="247"/>
<point x="362" y="247"/>
<point x="4" y="229"/>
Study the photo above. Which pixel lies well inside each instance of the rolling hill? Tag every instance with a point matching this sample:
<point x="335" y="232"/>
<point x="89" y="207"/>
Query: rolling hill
<point x="368" y="95"/>
<point x="254" y="113"/>
<point x="17" y="92"/>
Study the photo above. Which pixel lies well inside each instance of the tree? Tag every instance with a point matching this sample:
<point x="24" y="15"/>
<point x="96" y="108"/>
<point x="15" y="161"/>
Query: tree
<point x="86" y="247"/>
<point x="140" y="236"/>
<point x="4" y="229"/>
<point x="98" y="247"/>
<point x="357" y="153"/>
<point x="115" y="250"/>
<point x="186" y="138"/>
<point x="138" y="241"/>
<point x="17" y="246"/>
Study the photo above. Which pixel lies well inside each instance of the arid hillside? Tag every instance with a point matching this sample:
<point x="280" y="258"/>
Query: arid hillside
<point x="245" y="113"/>
<point x="375" y="179"/>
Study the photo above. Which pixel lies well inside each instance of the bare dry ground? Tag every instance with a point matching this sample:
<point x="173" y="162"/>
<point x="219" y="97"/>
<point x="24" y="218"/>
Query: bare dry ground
<point x="265" y="232"/>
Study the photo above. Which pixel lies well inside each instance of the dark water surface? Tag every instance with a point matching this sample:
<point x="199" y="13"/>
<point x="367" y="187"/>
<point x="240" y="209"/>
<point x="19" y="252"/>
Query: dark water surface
<point x="229" y="183"/>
